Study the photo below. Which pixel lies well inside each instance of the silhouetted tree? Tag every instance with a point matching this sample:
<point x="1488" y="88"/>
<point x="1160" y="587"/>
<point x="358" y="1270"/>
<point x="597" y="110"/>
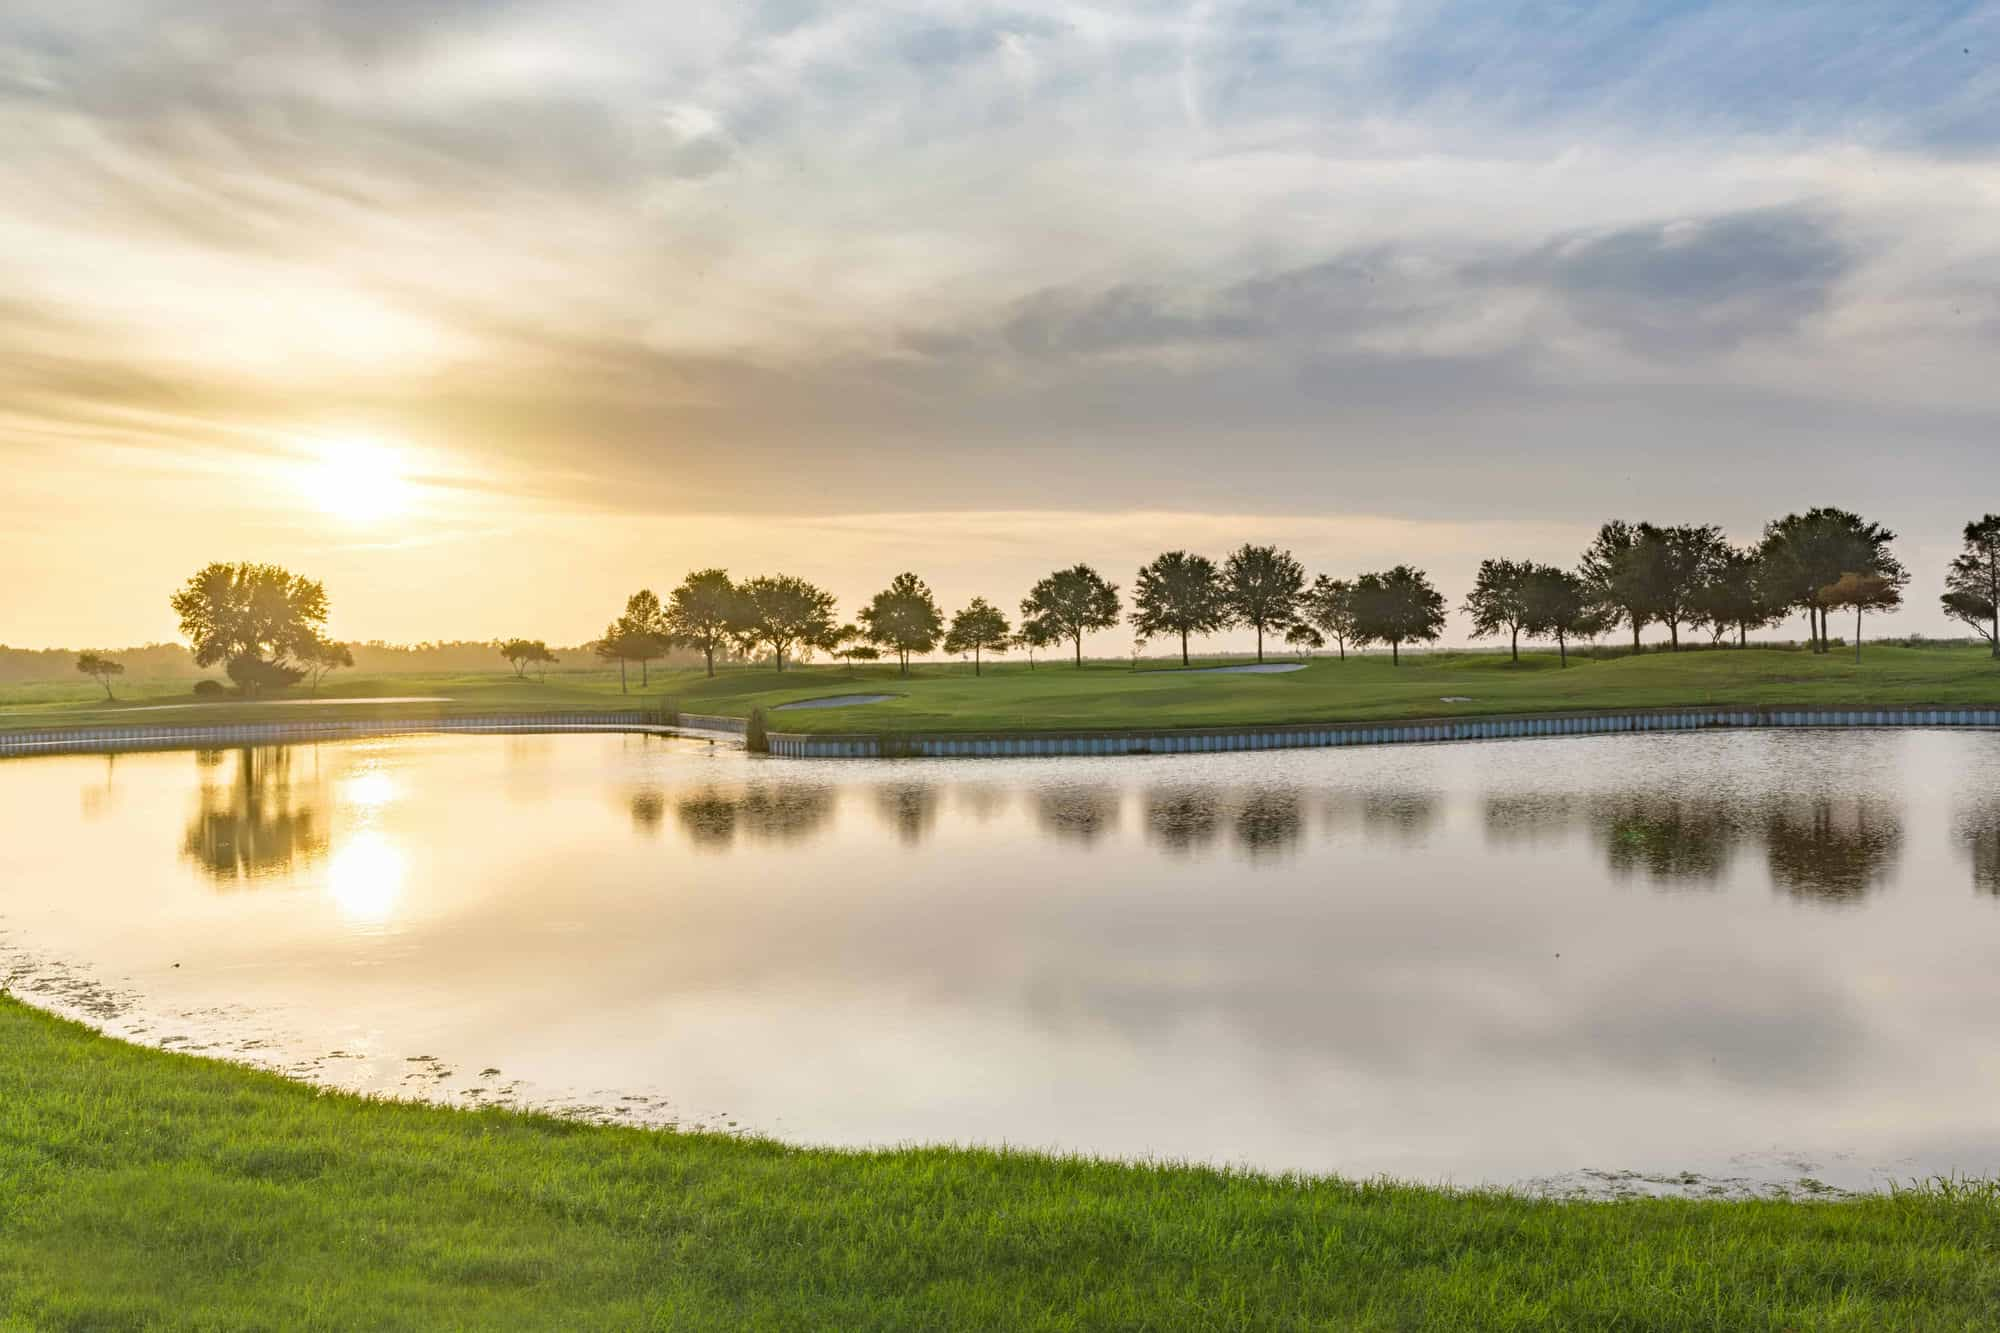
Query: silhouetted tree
<point x="1304" y="636"/>
<point x="1801" y="554"/>
<point x="1067" y="605"/>
<point x="781" y="610"/>
<point x="1972" y="584"/>
<point x="1397" y="607"/>
<point x="323" y="656"/>
<point x="904" y="618"/>
<point x="1329" y="605"/>
<point x="1497" y="602"/>
<point x="1734" y="598"/>
<point x="1261" y="587"/>
<point x="1179" y="594"/>
<point x="1863" y="592"/>
<point x="980" y="627"/>
<point x="851" y="645"/>
<point x="702" y="611"/>
<point x="525" y="653"/>
<point x="100" y="669"/>
<point x="255" y="619"/>
<point x="1559" y="605"/>
<point x="1033" y="635"/>
<point x="1674" y="565"/>
<point x="643" y="632"/>
<point x="616" y="645"/>
<point x="1610" y="566"/>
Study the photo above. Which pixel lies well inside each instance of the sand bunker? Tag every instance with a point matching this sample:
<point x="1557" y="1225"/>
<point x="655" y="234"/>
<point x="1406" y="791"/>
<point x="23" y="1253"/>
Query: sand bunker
<point x="836" y="701"/>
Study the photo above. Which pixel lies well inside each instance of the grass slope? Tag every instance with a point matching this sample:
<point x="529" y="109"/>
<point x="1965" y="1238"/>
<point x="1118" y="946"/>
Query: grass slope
<point x="144" y="1189"/>
<point x="1055" y="695"/>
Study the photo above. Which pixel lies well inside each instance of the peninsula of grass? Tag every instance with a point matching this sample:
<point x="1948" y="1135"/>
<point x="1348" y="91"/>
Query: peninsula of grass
<point x="1056" y="696"/>
<point x="143" y="1189"/>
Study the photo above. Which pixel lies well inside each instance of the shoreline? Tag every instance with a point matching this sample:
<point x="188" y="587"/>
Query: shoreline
<point x="1023" y="743"/>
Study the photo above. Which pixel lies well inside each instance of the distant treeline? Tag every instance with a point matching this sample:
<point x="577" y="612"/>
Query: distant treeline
<point x="174" y="661"/>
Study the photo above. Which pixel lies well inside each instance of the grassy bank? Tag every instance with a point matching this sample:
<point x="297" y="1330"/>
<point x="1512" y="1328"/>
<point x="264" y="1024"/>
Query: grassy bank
<point x="141" y="1189"/>
<point x="1011" y="697"/>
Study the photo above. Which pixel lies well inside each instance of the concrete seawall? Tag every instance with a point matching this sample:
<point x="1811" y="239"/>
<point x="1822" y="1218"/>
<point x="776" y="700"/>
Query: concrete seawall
<point x="1220" y="739"/>
<point x="1201" y="740"/>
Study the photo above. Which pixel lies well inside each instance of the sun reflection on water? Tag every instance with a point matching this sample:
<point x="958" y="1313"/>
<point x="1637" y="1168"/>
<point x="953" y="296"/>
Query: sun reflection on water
<point x="365" y="877"/>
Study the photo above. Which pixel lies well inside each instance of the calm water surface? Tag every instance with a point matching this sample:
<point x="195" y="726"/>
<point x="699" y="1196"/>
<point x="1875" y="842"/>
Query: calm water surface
<point x="1752" y="957"/>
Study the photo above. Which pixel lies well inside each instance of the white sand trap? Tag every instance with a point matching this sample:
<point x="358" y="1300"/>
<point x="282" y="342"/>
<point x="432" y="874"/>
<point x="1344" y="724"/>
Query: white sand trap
<point x="1252" y="669"/>
<point x="837" y="701"/>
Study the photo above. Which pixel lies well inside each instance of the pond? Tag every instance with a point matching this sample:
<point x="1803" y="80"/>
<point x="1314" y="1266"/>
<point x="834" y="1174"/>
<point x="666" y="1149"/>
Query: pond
<point x="1713" y="961"/>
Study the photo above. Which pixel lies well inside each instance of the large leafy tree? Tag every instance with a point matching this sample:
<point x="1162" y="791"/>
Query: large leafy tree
<point x="524" y="653"/>
<point x="100" y="669"/>
<point x="904" y="618"/>
<point x="1559" y="605"/>
<point x="1611" y="567"/>
<point x="1673" y="565"/>
<point x="1498" y="601"/>
<point x="703" y="611"/>
<point x="1067" y="605"/>
<point x="256" y="620"/>
<point x="1396" y="607"/>
<point x="1179" y="594"/>
<point x="1802" y="554"/>
<point x="1261" y="587"/>
<point x="780" y="610"/>
<point x="1972" y="584"/>
<point x="1733" y="598"/>
<point x="1329" y="605"/>
<point x="980" y="627"/>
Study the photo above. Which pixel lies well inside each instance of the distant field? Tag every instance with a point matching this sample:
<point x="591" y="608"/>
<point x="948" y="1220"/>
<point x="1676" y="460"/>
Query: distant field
<point x="1056" y="695"/>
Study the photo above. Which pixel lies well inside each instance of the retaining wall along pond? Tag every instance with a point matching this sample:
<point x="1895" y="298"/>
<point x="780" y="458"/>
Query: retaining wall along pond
<point x="1194" y="740"/>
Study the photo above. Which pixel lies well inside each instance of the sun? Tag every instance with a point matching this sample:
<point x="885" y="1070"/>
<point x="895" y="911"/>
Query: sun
<point x="359" y="481"/>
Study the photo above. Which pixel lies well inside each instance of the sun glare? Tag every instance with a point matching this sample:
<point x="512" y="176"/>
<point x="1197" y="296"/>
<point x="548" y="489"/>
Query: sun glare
<point x="360" y="481"/>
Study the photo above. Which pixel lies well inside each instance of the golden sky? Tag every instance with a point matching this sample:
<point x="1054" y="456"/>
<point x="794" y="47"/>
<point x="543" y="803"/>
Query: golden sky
<point x="488" y="313"/>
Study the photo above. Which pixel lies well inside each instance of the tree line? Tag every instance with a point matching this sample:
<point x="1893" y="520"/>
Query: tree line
<point x="265" y="625"/>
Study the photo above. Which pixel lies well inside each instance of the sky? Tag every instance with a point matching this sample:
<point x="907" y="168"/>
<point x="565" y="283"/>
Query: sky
<point x="488" y="313"/>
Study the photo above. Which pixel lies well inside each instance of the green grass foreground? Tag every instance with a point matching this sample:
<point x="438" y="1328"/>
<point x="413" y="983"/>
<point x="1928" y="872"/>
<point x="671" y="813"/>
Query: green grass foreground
<point x="143" y="1189"/>
<point x="1106" y="695"/>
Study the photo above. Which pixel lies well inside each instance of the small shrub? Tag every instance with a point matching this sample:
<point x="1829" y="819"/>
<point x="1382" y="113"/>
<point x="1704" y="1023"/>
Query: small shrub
<point x="209" y="689"/>
<point x="755" y="738"/>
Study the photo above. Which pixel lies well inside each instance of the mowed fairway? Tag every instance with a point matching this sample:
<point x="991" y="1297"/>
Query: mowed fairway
<point x="140" y="1189"/>
<point x="1056" y="695"/>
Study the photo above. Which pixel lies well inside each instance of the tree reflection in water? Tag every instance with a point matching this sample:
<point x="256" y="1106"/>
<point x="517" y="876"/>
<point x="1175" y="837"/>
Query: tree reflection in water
<point x="1831" y="850"/>
<point x="261" y="821"/>
<point x="1078" y="812"/>
<point x="1182" y="819"/>
<point x="1269" y="821"/>
<point x="1673" y="841"/>
<point x="910" y="809"/>
<point x="713" y="816"/>
<point x="1979" y="833"/>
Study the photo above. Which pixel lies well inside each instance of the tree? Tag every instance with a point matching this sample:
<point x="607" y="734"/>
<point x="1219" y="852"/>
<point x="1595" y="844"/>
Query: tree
<point x="851" y="645"/>
<point x="644" y="633"/>
<point x="525" y="653"/>
<point x="1803" y="554"/>
<point x="323" y="656"/>
<point x="1261" y="587"/>
<point x="1497" y="602"/>
<point x="702" y="612"/>
<point x="904" y="618"/>
<point x="1559" y="605"/>
<point x="1305" y="636"/>
<point x="781" y="610"/>
<point x="615" y="645"/>
<point x="1610" y="566"/>
<point x="100" y="669"/>
<point x="1672" y="566"/>
<point x="1972" y="584"/>
<point x="1397" y="607"/>
<point x="980" y="627"/>
<point x="1733" y="598"/>
<point x="1067" y="605"/>
<point x="1180" y="594"/>
<point x="255" y="619"/>
<point x="1863" y="592"/>
<point x="1033" y="635"/>
<point x="1329" y="605"/>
